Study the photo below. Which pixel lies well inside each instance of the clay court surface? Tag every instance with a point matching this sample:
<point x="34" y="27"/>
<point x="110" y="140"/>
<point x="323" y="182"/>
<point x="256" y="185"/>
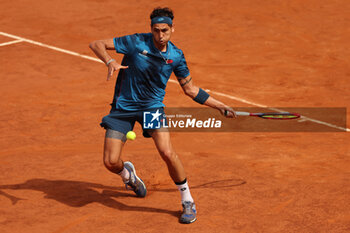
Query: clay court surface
<point x="274" y="53"/>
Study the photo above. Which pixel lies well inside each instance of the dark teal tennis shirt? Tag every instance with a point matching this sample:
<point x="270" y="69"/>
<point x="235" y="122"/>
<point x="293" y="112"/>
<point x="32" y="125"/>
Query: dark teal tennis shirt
<point x="142" y="85"/>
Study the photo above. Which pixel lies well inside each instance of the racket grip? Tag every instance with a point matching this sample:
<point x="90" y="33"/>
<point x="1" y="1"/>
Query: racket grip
<point x="242" y="113"/>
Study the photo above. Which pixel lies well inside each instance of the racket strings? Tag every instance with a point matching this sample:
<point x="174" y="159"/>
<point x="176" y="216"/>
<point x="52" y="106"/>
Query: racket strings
<point x="280" y="116"/>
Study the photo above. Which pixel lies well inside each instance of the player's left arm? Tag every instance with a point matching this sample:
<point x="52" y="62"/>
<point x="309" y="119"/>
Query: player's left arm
<point x="201" y="96"/>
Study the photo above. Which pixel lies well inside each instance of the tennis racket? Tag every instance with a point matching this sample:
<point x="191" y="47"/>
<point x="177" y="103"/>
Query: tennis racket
<point x="271" y="115"/>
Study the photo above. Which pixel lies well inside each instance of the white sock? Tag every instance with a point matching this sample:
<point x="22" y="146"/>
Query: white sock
<point x="125" y="175"/>
<point x="185" y="192"/>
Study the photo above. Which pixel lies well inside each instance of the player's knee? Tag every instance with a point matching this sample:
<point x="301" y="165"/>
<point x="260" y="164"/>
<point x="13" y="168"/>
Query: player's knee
<point x="112" y="162"/>
<point x="168" y="155"/>
<point x="107" y="164"/>
<point x="113" y="167"/>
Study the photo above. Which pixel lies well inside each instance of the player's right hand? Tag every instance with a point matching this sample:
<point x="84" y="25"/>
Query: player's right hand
<point x="228" y="112"/>
<point x="114" y="66"/>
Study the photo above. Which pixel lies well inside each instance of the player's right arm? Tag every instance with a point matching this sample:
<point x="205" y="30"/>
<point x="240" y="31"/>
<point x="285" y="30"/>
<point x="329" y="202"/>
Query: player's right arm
<point x="193" y="91"/>
<point x="100" y="47"/>
<point x="198" y="94"/>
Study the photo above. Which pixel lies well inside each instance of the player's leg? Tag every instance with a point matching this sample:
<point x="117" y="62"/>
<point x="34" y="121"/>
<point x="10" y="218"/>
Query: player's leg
<point x="117" y="124"/>
<point x="177" y="172"/>
<point x="113" y="146"/>
<point x="163" y="143"/>
<point x="114" y="142"/>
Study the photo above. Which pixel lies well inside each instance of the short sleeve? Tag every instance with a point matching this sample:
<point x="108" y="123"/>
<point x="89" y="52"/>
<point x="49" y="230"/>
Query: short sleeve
<point x="181" y="70"/>
<point x="125" y="44"/>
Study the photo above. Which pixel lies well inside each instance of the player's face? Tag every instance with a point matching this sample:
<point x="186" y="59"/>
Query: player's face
<point x="161" y="33"/>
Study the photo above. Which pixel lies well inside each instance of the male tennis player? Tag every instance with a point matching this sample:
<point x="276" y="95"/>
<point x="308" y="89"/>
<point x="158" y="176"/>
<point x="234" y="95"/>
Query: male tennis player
<point x="149" y="59"/>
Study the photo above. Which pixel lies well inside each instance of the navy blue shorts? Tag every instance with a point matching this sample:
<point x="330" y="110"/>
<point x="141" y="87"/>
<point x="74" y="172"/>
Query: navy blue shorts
<point x="124" y="121"/>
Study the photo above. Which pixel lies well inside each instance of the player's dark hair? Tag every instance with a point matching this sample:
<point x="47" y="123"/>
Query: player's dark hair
<point x="162" y="12"/>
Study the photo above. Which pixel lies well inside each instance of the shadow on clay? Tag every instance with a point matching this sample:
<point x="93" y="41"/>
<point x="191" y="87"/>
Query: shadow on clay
<point x="78" y="193"/>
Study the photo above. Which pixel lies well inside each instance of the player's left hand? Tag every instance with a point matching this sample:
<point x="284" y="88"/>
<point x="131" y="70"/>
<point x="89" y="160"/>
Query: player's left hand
<point x="228" y="112"/>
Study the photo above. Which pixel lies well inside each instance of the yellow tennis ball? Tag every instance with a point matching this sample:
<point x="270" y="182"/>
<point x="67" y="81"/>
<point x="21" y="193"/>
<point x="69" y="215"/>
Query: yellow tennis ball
<point x="131" y="135"/>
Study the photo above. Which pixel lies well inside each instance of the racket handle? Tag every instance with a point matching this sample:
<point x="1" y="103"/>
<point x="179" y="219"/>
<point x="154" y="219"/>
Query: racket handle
<point x="242" y="113"/>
